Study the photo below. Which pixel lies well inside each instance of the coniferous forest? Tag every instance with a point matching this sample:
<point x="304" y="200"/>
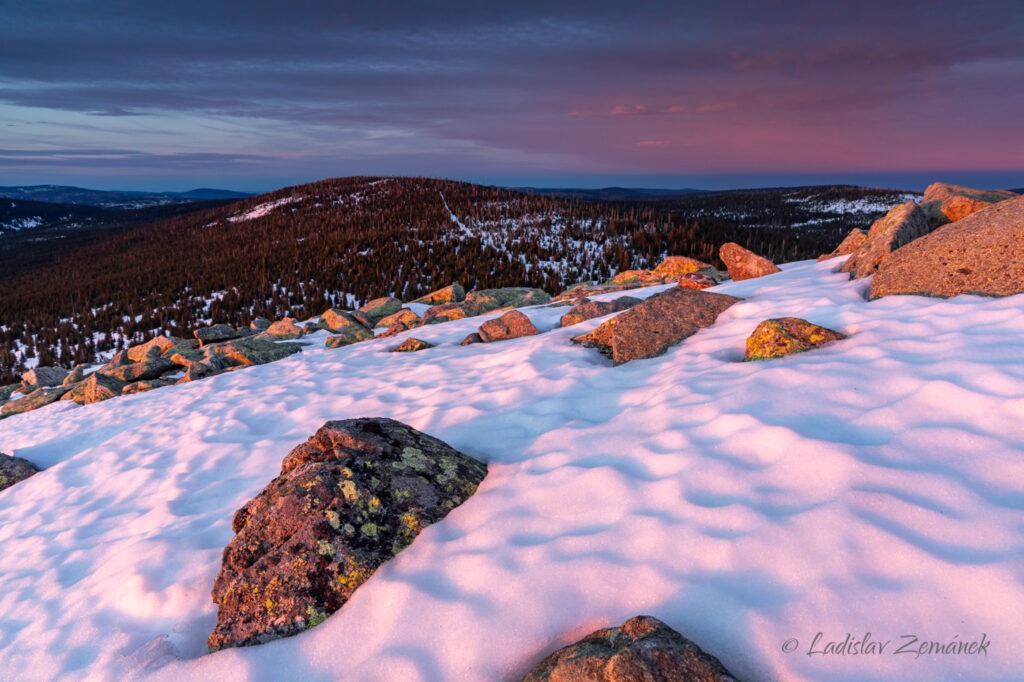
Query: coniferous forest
<point x="341" y="242"/>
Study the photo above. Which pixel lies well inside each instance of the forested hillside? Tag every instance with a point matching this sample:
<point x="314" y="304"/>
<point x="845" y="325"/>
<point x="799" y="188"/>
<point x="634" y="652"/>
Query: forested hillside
<point x="341" y="242"/>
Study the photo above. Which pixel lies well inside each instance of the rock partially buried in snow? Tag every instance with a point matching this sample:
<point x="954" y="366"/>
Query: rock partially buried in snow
<point x="42" y="377"/>
<point x="649" y="328"/>
<point x="471" y="339"/>
<point x="592" y="309"/>
<point x="486" y="300"/>
<point x="357" y="335"/>
<point x="582" y="290"/>
<point x="14" y="470"/>
<point x="7" y="391"/>
<point x="341" y="322"/>
<point x="34" y="400"/>
<point x="980" y="254"/>
<point x="785" y="335"/>
<point x="696" y="280"/>
<point x="643" y="649"/>
<point x="379" y="308"/>
<point x="944" y="203"/>
<point x="282" y="330"/>
<point x="901" y="225"/>
<point x="411" y="345"/>
<point x="511" y="325"/>
<point x="850" y="243"/>
<point x="347" y="500"/>
<point x="745" y="264"/>
<point x="141" y="371"/>
<point x="404" y="316"/>
<point x="453" y="293"/>
<point x="219" y="332"/>
<point x="251" y="351"/>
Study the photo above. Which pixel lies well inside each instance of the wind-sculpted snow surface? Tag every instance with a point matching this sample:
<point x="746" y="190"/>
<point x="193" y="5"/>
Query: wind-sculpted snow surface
<point x="872" y="485"/>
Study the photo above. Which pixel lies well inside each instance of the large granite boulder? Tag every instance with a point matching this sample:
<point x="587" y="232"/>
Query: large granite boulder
<point x="347" y="500"/>
<point x="643" y="649"/>
<point x="379" y="308"/>
<point x="452" y="293"/>
<point x="785" y="335"/>
<point x="850" y="243"/>
<point x="404" y="316"/>
<point x="486" y="300"/>
<point x="251" y="351"/>
<point x="900" y="226"/>
<point x="282" y="330"/>
<point x="649" y="328"/>
<point x="944" y="203"/>
<point x="40" y="397"/>
<point x="14" y="470"/>
<point x="355" y="336"/>
<point x="696" y="280"/>
<point x="511" y="325"/>
<point x="743" y="263"/>
<point x="155" y="347"/>
<point x="674" y="266"/>
<point x="592" y="309"/>
<point x="411" y="345"/>
<point x="219" y="332"/>
<point x="582" y="290"/>
<point x="341" y="322"/>
<point x="152" y="368"/>
<point x="980" y="254"/>
<point x="445" y="312"/>
<point x="42" y="377"/>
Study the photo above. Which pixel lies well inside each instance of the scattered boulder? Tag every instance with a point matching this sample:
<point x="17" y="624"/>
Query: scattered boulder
<point x="471" y="338"/>
<point x="632" y="277"/>
<point x="696" y="280"/>
<point x="40" y="397"/>
<point x="452" y="293"/>
<point x="217" y="333"/>
<point x="649" y="328"/>
<point x="901" y="225"/>
<point x="202" y="370"/>
<point x="260" y="324"/>
<point x="146" y="385"/>
<point x="743" y="263"/>
<point x="362" y="318"/>
<point x="77" y="374"/>
<point x="511" y="325"/>
<point x="155" y="347"/>
<point x="96" y="388"/>
<point x="42" y="377"/>
<point x="313" y="326"/>
<point x="404" y="316"/>
<point x="347" y="500"/>
<point x="577" y="292"/>
<point x="488" y="300"/>
<point x="340" y="340"/>
<point x="445" y="312"/>
<point x="640" y="650"/>
<point x="282" y="330"/>
<point x="980" y="254"/>
<point x="138" y="371"/>
<point x="251" y="351"/>
<point x="341" y="322"/>
<point x="674" y="266"/>
<point x="944" y="203"/>
<point x="14" y="470"/>
<point x="592" y="309"/>
<point x="850" y="243"/>
<point x="785" y="335"/>
<point x="379" y="308"/>
<point x="411" y="345"/>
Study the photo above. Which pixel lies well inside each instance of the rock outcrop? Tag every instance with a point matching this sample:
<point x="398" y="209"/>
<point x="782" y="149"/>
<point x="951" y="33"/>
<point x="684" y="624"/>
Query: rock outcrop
<point x="411" y="345"/>
<point x="850" y="243"/>
<point x="153" y="368"/>
<point x="944" y="203"/>
<point x="452" y="293"/>
<point x="592" y="309"/>
<point x="40" y="397"/>
<point x="347" y="500"/>
<point x="511" y="325"/>
<point x="14" y="470"/>
<point x="487" y="300"/>
<point x="282" y="330"/>
<point x="743" y="263"/>
<point x="980" y="254"/>
<point x="155" y="347"/>
<point x="643" y="649"/>
<point x="42" y="377"/>
<point x="649" y="328"/>
<point x="900" y="226"/>
<point x="786" y="335"/>
<point x="219" y="332"/>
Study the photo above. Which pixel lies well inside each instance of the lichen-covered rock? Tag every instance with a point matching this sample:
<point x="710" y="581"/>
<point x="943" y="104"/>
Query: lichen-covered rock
<point x="592" y="309"/>
<point x="357" y="335"/>
<point x="14" y="470"/>
<point x="201" y="370"/>
<point x="487" y="300"/>
<point x="313" y="326"/>
<point x="452" y="293"/>
<point x="900" y="226"/>
<point x="405" y="316"/>
<point x="40" y="397"/>
<point x="139" y="371"/>
<point x="96" y="388"/>
<point x="743" y="263"/>
<point x="251" y="351"/>
<point x="696" y="280"/>
<point x="347" y="500"/>
<point x="76" y="375"/>
<point x="785" y="335"/>
<point x="643" y="649"/>
<point x="511" y="325"/>
<point x="7" y="391"/>
<point x="649" y="328"/>
<point x="155" y="347"/>
<point x="260" y="324"/>
<point x="411" y="345"/>
<point x="674" y="266"/>
<point x="631" y="276"/>
<point x="379" y="308"/>
<point x="446" y="312"/>
<point x="42" y="377"/>
<point x="341" y="322"/>
<point x="585" y="289"/>
<point x="219" y="332"/>
<point x="471" y="339"/>
<point x="980" y="254"/>
<point x="850" y="243"/>
<point x="282" y="330"/>
<point x="944" y="203"/>
<point x="146" y="385"/>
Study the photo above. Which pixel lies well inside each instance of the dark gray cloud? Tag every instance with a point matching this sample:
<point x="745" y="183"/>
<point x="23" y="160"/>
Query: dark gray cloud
<point x="470" y="87"/>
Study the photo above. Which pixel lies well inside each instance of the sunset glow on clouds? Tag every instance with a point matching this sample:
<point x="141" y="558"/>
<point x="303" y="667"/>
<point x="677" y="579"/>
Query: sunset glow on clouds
<point x="251" y="95"/>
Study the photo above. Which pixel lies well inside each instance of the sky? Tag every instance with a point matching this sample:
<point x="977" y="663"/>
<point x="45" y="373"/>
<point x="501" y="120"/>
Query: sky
<point x="256" y="95"/>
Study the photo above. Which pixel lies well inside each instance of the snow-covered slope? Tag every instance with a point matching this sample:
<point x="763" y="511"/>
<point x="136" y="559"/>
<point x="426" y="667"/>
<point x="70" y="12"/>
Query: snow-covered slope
<point x="873" y="485"/>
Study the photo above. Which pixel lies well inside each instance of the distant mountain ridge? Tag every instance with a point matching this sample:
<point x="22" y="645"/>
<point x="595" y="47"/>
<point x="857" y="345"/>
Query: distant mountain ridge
<point x="610" y="193"/>
<point x="62" y="194"/>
